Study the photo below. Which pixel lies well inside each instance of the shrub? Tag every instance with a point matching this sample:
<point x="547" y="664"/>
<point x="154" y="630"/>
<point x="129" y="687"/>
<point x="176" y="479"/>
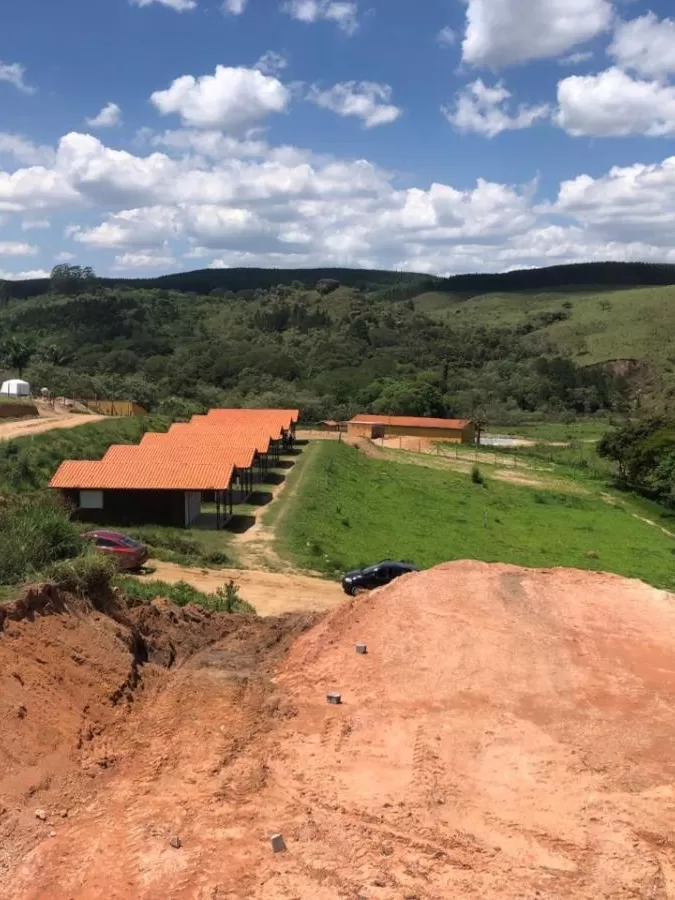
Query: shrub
<point x="225" y="599"/>
<point x="90" y="575"/>
<point x="477" y="476"/>
<point x="35" y="532"/>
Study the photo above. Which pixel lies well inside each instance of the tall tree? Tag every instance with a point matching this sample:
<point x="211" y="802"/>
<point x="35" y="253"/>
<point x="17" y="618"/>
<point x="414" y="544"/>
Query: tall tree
<point x="54" y="355"/>
<point x="72" y="280"/>
<point x="16" y="355"/>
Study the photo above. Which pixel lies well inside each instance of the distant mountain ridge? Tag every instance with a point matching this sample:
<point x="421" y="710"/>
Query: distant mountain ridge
<point x="202" y="281"/>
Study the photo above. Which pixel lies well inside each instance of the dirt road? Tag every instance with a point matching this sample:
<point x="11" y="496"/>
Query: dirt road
<point x="26" y="427"/>
<point x="271" y="593"/>
<point x="507" y="735"/>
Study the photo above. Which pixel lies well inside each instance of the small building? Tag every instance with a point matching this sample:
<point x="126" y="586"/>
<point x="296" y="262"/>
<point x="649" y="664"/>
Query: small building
<point x="15" y="387"/>
<point x="150" y="488"/>
<point x="369" y="430"/>
<point x="115" y="407"/>
<point x="459" y="431"/>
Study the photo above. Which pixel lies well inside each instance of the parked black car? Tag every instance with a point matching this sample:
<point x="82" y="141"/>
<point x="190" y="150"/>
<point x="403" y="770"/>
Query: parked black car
<point x="375" y="576"/>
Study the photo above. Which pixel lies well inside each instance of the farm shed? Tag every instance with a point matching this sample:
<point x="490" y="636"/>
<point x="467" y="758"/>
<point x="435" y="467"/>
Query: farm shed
<point x="458" y="431"/>
<point x="136" y="489"/>
<point x="15" y="387"/>
<point x="369" y="430"/>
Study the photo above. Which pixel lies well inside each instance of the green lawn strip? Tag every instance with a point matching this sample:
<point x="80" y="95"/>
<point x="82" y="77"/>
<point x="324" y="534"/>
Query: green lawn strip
<point x="581" y="430"/>
<point x="303" y="464"/>
<point x="351" y="510"/>
<point x="198" y="547"/>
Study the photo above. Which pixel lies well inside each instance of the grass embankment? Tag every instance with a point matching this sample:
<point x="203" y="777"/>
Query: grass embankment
<point x="28" y="463"/>
<point x="224" y="599"/>
<point x="351" y="510"/>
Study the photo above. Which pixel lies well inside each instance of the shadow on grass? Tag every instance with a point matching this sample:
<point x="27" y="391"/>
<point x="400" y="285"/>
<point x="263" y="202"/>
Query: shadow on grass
<point x="285" y="464"/>
<point x="260" y="498"/>
<point x="239" y="523"/>
<point x="274" y="478"/>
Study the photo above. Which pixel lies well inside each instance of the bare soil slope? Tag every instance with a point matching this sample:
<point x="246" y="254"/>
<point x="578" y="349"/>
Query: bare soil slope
<point x="508" y="735"/>
<point x="27" y="427"/>
<point x="271" y="593"/>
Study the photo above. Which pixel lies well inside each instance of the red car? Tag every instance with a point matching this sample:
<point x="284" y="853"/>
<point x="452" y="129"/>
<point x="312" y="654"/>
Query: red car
<point x="127" y="552"/>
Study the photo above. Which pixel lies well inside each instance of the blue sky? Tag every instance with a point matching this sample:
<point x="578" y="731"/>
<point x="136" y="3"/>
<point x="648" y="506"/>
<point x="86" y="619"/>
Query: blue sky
<point x="145" y="136"/>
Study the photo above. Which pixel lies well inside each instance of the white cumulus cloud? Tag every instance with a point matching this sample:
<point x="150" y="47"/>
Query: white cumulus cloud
<point x="108" y="117"/>
<point x="25" y="151"/>
<point x="482" y="109"/>
<point x="143" y="261"/>
<point x="446" y="37"/>
<point x="35" y="224"/>
<point x="23" y="276"/>
<point x="612" y="104"/>
<point x="506" y="32"/>
<point x="271" y="63"/>
<point x="365" y="100"/>
<point x="234" y="7"/>
<point x="646" y="45"/>
<point x="342" y="12"/>
<point x="178" y="5"/>
<point x="231" y="98"/>
<point x="15" y="74"/>
<point x="17" y="248"/>
<point x="628" y="204"/>
<point x="232" y="201"/>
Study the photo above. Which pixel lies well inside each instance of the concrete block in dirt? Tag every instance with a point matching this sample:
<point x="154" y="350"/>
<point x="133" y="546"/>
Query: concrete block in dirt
<point x="278" y="843"/>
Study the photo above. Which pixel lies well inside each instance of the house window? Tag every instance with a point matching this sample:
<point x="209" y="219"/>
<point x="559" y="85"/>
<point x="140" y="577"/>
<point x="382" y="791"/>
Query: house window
<point x="91" y="499"/>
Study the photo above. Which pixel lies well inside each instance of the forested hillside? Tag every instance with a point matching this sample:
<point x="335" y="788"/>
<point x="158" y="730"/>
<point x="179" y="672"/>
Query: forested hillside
<point x="337" y="341"/>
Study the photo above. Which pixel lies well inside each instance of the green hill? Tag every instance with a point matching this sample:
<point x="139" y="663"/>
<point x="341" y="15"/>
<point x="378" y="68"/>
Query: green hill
<point x="336" y="341"/>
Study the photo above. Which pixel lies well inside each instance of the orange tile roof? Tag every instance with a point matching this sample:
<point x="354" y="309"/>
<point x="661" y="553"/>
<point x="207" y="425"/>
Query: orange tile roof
<point x="200" y="452"/>
<point x="283" y="417"/>
<point x="410" y="421"/>
<point x="241" y="455"/>
<point x="272" y="430"/>
<point x="125" y="469"/>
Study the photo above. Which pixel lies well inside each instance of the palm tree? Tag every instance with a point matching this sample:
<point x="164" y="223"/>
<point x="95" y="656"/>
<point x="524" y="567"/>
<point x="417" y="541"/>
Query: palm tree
<point x="16" y="355"/>
<point x="54" y="355"/>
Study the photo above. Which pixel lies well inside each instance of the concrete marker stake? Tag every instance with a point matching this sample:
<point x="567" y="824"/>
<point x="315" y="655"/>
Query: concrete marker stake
<point x="334" y="698"/>
<point x="278" y="843"/>
<point x="362" y="649"/>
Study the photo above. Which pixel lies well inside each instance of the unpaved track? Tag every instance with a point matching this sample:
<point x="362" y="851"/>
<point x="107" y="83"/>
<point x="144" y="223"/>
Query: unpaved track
<point x="507" y="736"/>
<point x="271" y="593"/>
<point x="27" y="427"/>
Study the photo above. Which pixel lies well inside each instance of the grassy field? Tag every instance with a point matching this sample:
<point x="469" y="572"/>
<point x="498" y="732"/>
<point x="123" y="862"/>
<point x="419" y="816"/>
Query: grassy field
<point x="619" y="324"/>
<point x="581" y="430"/>
<point x="350" y="510"/>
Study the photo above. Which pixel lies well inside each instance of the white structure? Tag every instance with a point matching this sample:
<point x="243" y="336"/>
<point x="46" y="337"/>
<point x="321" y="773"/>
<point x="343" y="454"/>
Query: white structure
<point x="15" y="387"/>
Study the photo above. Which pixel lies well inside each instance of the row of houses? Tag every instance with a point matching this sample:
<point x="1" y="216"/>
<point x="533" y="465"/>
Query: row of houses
<point x="165" y="479"/>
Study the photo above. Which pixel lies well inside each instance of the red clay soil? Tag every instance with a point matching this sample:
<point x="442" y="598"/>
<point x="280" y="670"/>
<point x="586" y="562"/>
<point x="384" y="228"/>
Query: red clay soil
<point x="508" y="735"/>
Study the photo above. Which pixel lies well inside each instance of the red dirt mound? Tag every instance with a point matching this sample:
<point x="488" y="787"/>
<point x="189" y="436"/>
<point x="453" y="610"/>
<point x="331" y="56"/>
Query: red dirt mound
<point x="507" y="735"/>
<point x="70" y="677"/>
